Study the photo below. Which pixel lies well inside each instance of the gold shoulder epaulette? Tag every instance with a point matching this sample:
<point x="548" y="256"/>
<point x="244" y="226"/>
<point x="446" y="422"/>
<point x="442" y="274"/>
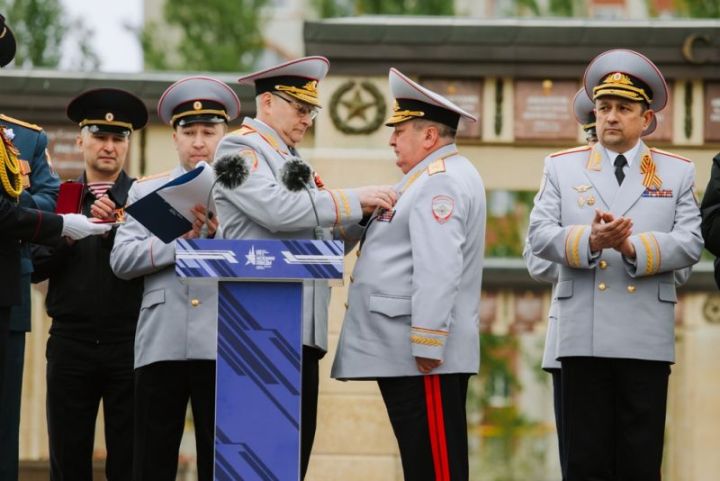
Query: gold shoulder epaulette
<point x="670" y="154"/>
<point x="436" y="167"/>
<point x="154" y="176"/>
<point x="243" y="130"/>
<point x="570" y="151"/>
<point x="21" y="123"/>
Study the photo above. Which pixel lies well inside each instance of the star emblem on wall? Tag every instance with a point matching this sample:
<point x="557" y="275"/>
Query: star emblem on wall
<point x="357" y="107"/>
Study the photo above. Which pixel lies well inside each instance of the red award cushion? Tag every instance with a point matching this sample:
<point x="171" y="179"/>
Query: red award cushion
<point x="69" y="199"/>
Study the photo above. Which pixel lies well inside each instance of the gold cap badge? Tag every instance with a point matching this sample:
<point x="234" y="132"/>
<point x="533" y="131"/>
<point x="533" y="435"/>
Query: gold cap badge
<point x="311" y="86"/>
<point x="308" y="93"/>
<point x="621" y="85"/>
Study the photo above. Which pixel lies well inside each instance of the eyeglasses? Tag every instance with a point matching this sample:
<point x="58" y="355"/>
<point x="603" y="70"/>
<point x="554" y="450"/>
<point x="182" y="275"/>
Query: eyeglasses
<point x="301" y="109"/>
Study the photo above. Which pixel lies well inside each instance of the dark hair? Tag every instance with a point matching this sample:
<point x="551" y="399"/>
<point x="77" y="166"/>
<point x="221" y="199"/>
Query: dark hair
<point x="591" y="134"/>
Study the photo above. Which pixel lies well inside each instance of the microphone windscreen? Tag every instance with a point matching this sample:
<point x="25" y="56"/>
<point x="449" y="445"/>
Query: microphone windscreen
<point x="295" y="174"/>
<point x="231" y="170"/>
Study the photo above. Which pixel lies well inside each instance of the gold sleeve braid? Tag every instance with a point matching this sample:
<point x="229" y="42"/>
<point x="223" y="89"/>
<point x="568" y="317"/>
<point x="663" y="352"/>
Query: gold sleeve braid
<point x="420" y="336"/>
<point x="652" y="252"/>
<point x="426" y="341"/>
<point x="572" y="245"/>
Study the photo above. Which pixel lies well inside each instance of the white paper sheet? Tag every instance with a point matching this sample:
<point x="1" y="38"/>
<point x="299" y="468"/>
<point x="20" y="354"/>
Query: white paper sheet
<point x="183" y="197"/>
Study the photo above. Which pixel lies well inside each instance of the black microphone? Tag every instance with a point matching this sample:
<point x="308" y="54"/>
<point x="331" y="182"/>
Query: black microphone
<point x="230" y="172"/>
<point x="295" y="174"/>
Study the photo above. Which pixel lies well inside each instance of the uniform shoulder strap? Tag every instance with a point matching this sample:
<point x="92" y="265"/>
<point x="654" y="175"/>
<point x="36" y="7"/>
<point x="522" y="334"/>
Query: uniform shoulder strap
<point x="21" y="123"/>
<point x="436" y="167"/>
<point x="670" y="154"/>
<point x="571" y="151"/>
<point x="243" y="130"/>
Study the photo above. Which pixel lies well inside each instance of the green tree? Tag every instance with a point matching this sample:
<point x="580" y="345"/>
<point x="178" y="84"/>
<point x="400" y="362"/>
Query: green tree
<point x="524" y="6"/>
<point x="698" y="8"/>
<point x="39" y="26"/>
<point x="216" y="35"/>
<point x="87" y="58"/>
<point x="562" y="8"/>
<point x="553" y="8"/>
<point x="335" y="8"/>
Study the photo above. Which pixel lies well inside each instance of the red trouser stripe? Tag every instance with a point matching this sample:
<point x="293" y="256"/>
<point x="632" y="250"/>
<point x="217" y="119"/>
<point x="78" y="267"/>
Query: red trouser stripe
<point x="430" y="405"/>
<point x="442" y="439"/>
<point x="436" y="425"/>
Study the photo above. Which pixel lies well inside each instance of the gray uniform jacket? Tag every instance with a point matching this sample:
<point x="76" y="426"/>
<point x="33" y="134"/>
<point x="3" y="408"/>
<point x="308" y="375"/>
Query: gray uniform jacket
<point x="263" y="208"/>
<point x="545" y="271"/>
<point x="609" y="306"/>
<point x="415" y="290"/>
<point x="177" y="321"/>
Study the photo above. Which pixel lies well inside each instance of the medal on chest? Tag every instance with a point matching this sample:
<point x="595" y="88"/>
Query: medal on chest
<point x="385" y="215"/>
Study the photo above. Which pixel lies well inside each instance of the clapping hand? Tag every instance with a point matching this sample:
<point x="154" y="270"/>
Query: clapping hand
<point x="608" y="232"/>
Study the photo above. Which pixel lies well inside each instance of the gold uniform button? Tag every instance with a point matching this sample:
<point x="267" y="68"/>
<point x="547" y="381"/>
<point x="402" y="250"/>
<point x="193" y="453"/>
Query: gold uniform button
<point x="357" y="252"/>
<point x="603" y="265"/>
<point x="195" y="302"/>
<point x="602" y="286"/>
<point x="352" y="279"/>
<point x="346" y="305"/>
<point x="631" y="289"/>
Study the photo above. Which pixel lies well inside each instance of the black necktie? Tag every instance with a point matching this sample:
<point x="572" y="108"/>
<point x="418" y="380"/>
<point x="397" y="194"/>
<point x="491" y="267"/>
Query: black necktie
<point x="620" y="162"/>
<point x="294" y="152"/>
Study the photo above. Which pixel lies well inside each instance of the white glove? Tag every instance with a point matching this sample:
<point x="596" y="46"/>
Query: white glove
<point x="77" y="226"/>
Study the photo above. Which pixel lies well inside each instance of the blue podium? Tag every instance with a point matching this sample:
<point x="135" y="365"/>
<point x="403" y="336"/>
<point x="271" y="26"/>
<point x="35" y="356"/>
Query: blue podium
<point x="259" y="346"/>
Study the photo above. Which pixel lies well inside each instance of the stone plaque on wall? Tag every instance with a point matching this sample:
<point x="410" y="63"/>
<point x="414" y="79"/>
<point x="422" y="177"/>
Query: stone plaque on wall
<point x="664" y="130"/>
<point x="712" y="112"/>
<point x="64" y="155"/>
<point x="466" y="94"/>
<point x="488" y="310"/>
<point x="544" y="111"/>
<point x="528" y="311"/>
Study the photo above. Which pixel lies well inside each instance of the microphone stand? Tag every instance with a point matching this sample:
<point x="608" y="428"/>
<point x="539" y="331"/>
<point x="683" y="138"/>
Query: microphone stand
<point x="318" y="232"/>
<point x="205" y="230"/>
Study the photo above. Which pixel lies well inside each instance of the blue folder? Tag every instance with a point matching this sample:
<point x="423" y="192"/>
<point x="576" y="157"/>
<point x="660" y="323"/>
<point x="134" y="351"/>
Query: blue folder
<point x="158" y="216"/>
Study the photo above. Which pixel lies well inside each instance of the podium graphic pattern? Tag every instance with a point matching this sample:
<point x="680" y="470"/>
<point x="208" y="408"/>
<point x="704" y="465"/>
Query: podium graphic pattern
<point x="259" y="259"/>
<point x="259" y="359"/>
<point x="259" y="363"/>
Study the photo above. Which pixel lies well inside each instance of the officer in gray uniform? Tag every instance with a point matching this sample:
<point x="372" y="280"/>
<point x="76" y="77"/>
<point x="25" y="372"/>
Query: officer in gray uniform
<point x="545" y="271"/>
<point x="616" y="289"/>
<point x="414" y="299"/>
<point x="175" y="341"/>
<point x="263" y="208"/>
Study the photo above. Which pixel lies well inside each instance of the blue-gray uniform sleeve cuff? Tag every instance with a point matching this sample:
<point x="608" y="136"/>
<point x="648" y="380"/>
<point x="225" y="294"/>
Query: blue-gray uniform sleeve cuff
<point x="346" y="206"/>
<point x="429" y="343"/>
